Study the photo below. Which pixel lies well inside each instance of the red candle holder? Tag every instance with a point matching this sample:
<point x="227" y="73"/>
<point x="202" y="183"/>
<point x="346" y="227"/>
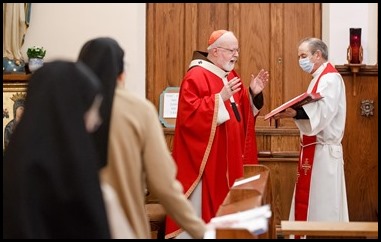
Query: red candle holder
<point x="355" y="51"/>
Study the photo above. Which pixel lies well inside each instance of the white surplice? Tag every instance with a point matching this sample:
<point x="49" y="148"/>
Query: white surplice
<point x="328" y="199"/>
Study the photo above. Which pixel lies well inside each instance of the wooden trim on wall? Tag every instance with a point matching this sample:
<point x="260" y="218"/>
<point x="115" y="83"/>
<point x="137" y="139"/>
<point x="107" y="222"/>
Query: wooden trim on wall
<point x="368" y="70"/>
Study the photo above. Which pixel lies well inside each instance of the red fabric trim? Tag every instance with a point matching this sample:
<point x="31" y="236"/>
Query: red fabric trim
<point x="328" y="69"/>
<point x="303" y="181"/>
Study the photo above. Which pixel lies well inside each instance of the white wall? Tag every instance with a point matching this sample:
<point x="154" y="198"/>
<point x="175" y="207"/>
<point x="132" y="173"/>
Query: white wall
<point x="62" y="29"/>
<point x="338" y="18"/>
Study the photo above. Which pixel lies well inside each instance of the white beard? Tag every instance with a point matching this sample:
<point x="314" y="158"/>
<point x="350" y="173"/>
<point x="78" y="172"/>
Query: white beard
<point x="229" y="66"/>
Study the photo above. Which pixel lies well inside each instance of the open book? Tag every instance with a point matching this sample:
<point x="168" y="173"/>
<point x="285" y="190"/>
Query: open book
<point x="295" y="103"/>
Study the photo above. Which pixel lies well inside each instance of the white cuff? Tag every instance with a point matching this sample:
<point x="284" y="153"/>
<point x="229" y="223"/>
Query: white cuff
<point x="223" y="114"/>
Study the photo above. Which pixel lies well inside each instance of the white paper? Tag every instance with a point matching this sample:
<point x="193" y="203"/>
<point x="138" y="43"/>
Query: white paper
<point x="246" y="180"/>
<point x="170" y="105"/>
<point x="210" y="234"/>
<point x="254" y="220"/>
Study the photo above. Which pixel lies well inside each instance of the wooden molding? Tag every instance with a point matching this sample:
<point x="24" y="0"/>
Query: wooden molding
<point x="16" y="77"/>
<point x="369" y="70"/>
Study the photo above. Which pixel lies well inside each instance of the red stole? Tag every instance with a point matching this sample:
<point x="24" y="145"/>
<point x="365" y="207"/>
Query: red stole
<point x="306" y="160"/>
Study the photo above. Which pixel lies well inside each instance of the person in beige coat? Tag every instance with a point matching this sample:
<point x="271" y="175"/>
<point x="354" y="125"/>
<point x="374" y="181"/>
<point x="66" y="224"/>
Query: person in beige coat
<point x="137" y="155"/>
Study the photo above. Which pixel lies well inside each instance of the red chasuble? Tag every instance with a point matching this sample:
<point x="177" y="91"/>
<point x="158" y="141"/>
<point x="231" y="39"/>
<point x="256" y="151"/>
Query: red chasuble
<point x="206" y="151"/>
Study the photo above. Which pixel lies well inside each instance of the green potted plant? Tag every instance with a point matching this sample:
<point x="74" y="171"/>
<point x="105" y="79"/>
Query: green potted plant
<point x="36" y="56"/>
<point x="36" y="52"/>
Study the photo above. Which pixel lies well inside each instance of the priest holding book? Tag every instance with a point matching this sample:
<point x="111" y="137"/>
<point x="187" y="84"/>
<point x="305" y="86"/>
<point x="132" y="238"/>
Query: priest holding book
<point x="320" y="191"/>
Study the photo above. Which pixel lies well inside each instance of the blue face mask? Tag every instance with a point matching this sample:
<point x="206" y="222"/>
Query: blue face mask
<point x="306" y="64"/>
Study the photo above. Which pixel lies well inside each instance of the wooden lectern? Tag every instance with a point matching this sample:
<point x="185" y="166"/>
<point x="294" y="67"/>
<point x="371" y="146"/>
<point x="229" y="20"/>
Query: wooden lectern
<point x="246" y="196"/>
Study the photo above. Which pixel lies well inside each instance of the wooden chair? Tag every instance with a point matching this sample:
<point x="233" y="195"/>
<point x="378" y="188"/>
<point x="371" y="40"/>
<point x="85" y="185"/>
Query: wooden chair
<point x="156" y="215"/>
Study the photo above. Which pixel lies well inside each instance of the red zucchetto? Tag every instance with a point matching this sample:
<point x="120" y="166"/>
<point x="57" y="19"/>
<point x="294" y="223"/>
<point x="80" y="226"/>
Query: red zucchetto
<point x="215" y="35"/>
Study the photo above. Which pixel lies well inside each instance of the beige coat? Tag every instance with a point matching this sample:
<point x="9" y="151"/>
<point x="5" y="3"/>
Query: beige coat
<point x="139" y="158"/>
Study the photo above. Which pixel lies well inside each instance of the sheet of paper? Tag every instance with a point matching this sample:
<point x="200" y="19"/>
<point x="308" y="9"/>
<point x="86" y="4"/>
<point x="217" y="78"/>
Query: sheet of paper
<point x="210" y="234"/>
<point x="246" y="180"/>
<point x="254" y="220"/>
<point x="170" y="105"/>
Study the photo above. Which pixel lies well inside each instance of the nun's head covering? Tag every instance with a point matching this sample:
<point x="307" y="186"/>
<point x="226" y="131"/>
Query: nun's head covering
<point x="105" y="57"/>
<point x="51" y="187"/>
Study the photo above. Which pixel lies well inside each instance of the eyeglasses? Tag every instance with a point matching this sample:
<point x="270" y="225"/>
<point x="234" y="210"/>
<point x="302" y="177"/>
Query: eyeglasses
<point x="232" y="51"/>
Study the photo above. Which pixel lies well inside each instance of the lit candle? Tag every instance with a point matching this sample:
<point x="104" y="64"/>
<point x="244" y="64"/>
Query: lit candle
<point x="355" y="56"/>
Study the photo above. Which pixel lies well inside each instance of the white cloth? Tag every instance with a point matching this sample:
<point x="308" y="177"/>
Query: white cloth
<point x="120" y="228"/>
<point x="195" y="199"/>
<point x="328" y="199"/>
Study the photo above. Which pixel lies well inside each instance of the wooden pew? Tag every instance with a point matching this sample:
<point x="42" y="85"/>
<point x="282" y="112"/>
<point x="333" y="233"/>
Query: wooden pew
<point x="329" y="229"/>
<point x="248" y="196"/>
<point x="267" y="196"/>
<point x="240" y="198"/>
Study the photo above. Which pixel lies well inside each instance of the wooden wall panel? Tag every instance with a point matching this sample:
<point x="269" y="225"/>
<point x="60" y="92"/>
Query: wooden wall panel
<point x="282" y="160"/>
<point x="165" y="48"/>
<point x="298" y="25"/>
<point x="294" y="21"/>
<point x="174" y="31"/>
<point x="253" y="32"/>
<point x="283" y="177"/>
<point x="277" y="140"/>
<point x="360" y="145"/>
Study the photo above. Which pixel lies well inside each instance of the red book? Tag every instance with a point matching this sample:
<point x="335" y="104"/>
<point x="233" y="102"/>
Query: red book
<point x="295" y="103"/>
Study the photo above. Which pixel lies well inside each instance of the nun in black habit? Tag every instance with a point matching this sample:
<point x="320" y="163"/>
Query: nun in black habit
<point x="51" y="186"/>
<point x="107" y="63"/>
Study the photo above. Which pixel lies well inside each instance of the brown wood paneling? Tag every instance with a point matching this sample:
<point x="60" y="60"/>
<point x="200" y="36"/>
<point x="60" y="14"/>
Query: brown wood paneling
<point x="276" y="140"/>
<point x="191" y="27"/>
<point x="165" y="47"/>
<point x="299" y="20"/>
<point x="360" y="145"/>
<point x="210" y="17"/>
<point x="253" y="39"/>
<point x="283" y="175"/>
<point x="274" y="96"/>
